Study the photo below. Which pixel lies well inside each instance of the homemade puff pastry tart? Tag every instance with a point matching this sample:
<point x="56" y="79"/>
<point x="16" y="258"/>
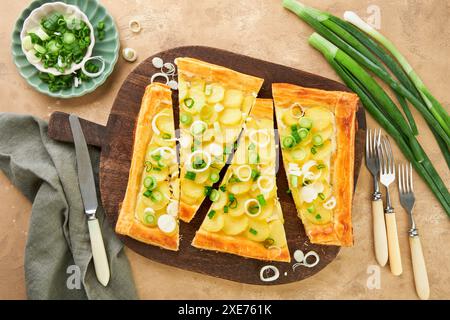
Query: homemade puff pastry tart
<point x="214" y="102"/>
<point x="317" y="132"/>
<point x="149" y="212"/>
<point x="245" y="217"/>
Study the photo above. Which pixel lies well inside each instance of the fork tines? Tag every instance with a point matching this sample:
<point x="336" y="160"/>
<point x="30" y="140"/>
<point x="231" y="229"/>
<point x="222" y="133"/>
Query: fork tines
<point x="405" y="182"/>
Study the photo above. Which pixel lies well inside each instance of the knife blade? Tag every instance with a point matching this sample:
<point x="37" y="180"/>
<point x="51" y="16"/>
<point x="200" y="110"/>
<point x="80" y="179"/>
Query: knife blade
<point x="89" y="196"/>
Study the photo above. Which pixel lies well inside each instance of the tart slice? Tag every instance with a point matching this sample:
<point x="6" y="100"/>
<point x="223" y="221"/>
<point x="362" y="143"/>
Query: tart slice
<point x="246" y="218"/>
<point x="317" y="133"/>
<point x="214" y="102"/>
<point x="149" y="212"/>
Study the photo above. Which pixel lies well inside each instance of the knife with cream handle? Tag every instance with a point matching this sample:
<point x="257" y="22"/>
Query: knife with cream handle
<point x="89" y="196"/>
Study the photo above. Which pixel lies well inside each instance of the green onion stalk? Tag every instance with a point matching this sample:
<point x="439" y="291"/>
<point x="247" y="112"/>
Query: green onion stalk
<point x="429" y="99"/>
<point x="351" y="45"/>
<point x="355" y="77"/>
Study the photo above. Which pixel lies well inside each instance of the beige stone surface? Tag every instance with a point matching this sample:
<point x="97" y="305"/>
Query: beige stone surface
<point x="262" y="29"/>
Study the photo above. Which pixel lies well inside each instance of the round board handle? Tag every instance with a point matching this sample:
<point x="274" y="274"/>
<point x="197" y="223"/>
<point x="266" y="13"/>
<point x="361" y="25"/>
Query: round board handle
<point x="59" y="129"/>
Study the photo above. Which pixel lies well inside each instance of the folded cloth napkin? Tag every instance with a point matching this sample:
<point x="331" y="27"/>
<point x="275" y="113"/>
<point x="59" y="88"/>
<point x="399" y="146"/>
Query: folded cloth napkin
<point x="58" y="257"/>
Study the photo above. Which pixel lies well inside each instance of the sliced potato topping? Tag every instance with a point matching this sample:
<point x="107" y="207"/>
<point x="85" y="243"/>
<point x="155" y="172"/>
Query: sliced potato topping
<point x="159" y="185"/>
<point x="309" y="139"/>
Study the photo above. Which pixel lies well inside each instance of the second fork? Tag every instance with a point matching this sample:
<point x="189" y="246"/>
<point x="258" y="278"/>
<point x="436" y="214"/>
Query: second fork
<point x="387" y="176"/>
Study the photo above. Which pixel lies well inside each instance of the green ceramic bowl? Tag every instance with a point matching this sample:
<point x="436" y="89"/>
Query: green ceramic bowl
<point x="107" y="48"/>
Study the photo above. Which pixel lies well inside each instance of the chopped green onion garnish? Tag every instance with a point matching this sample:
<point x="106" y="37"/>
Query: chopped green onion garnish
<point x="150" y="218"/>
<point x="207" y="191"/>
<point x="225" y="209"/>
<point x="211" y="214"/>
<point x="198" y="163"/>
<point x="150" y="182"/>
<point x="190" y="175"/>
<point x="294" y="181"/>
<point x="253" y="158"/>
<point x="232" y="201"/>
<point x="223" y="188"/>
<point x="253" y="209"/>
<point x="214" y="195"/>
<point x="253" y="231"/>
<point x="156" y="157"/>
<point x="305" y="123"/>
<point x="147" y="193"/>
<point x="148" y="166"/>
<point x="318" y="217"/>
<point x="251" y="146"/>
<point x="214" y="177"/>
<point x="317" y="140"/>
<point x="288" y="142"/>
<point x="261" y="200"/>
<point x="268" y="243"/>
<point x="321" y="196"/>
<point x="68" y="38"/>
<point x="166" y="136"/>
<point x="303" y="133"/>
<point x="320" y="166"/>
<point x="313" y="150"/>
<point x="156" y="169"/>
<point x="311" y="209"/>
<point x="156" y="196"/>
<point x="255" y="174"/>
<point x="296" y="136"/>
<point x="228" y="149"/>
<point x="198" y="128"/>
<point x="101" y="25"/>
<point x="189" y="102"/>
<point x="161" y="163"/>
<point x="185" y="119"/>
<point x="233" y="179"/>
<point x="288" y="191"/>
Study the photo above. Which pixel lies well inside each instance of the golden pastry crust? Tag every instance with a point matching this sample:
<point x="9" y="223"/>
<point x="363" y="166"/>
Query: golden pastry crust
<point x="190" y="68"/>
<point x="240" y="245"/>
<point x="157" y="97"/>
<point x="344" y="106"/>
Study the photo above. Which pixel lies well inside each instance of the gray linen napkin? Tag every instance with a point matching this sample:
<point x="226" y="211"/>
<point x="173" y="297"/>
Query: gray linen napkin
<point x="58" y="258"/>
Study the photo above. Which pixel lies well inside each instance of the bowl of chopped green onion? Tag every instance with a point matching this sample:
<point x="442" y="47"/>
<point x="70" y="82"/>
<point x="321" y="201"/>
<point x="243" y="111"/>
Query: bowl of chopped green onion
<point x="57" y="38"/>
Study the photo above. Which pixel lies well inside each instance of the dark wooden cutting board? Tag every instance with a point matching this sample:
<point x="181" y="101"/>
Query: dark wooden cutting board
<point x="116" y="142"/>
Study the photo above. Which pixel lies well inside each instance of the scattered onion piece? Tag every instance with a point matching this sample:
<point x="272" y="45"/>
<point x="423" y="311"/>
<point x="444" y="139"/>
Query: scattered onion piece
<point x="157" y="62"/>
<point x="215" y="149"/>
<point x="135" y="26"/>
<point x="330" y="204"/>
<point x="129" y="54"/>
<point x="275" y="276"/>
<point x="173" y="84"/>
<point x="308" y="194"/>
<point x="100" y="71"/>
<point x="193" y="154"/>
<point x="158" y="75"/>
<point x="168" y="68"/>
<point x="299" y="256"/>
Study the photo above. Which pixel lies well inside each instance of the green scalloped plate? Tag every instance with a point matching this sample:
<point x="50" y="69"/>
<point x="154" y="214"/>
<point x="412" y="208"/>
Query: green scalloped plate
<point x="108" y="49"/>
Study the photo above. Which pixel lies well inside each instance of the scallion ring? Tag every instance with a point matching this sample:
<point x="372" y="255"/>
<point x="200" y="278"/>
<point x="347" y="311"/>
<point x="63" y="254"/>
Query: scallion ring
<point x="100" y="71"/>
<point x="189" y="102"/>
<point x="288" y="142"/>
<point x="265" y="184"/>
<point x="135" y="26"/>
<point x="129" y="54"/>
<point x="244" y="172"/>
<point x="317" y="140"/>
<point x="159" y="75"/>
<point x="198" y="127"/>
<point x="252" y="208"/>
<point x="294" y="110"/>
<point x="262" y="132"/>
<point x="330" y="204"/>
<point x="305" y="123"/>
<point x="203" y="154"/>
<point x="150" y="182"/>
